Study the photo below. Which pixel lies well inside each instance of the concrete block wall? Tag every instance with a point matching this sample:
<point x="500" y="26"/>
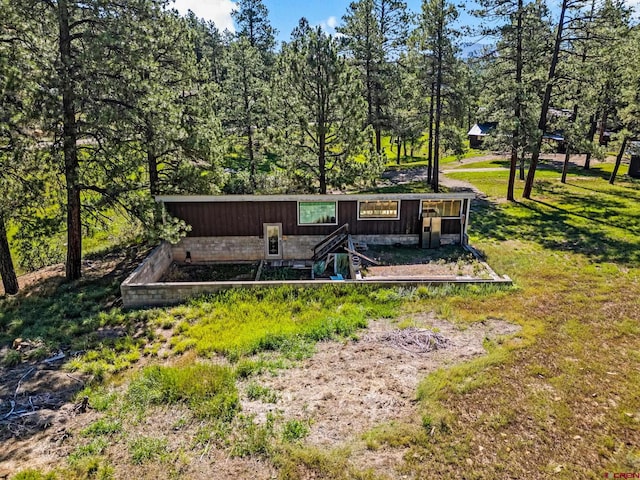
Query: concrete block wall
<point x="388" y="239"/>
<point x="153" y="267"/>
<point x="234" y="249"/>
<point x="219" y="249"/>
<point x="141" y="288"/>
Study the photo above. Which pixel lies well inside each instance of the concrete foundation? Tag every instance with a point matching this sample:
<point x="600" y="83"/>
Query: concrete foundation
<point x="143" y="289"/>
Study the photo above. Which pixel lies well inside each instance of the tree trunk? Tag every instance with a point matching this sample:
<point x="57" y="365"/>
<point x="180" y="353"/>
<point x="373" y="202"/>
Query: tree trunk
<point x="603" y="124"/>
<point x="542" y="123"/>
<point x="593" y="126"/>
<point x="430" y="154"/>
<point x="522" y="165"/>
<point x="565" y="165"/>
<point x="7" y="272"/>
<point x="252" y="160"/>
<point x="152" y="160"/>
<point x="154" y="179"/>
<point x="71" y="164"/>
<point x="515" y="142"/>
<point x="623" y="148"/>
<point x="436" y="141"/>
<point x="574" y="117"/>
<point x="322" y="161"/>
<point x="377" y="127"/>
<point x="399" y="147"/>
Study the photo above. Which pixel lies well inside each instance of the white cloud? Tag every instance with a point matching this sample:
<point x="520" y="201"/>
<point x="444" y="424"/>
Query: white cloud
<point x="219" y="11"/>
<point x="329" y="25"/>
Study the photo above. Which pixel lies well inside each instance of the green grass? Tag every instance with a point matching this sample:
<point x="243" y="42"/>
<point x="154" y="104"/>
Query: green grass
<point x="146" y="449"/>
<point x="242" y="322"/>
<point x="208" y="390"/>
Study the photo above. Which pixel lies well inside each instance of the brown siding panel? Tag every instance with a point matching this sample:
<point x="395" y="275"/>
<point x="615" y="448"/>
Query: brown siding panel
<point x="209" y="219"/>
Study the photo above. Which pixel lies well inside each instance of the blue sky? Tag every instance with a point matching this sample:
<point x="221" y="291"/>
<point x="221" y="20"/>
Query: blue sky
<point x="284" y="14"/>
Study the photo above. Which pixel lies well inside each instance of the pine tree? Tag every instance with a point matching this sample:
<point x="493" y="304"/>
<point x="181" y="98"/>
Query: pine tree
<point x="436" y="43"/>
<point x="374" y="34"/>
<point x="513" y="68"/>
<point x="323" y="133"/>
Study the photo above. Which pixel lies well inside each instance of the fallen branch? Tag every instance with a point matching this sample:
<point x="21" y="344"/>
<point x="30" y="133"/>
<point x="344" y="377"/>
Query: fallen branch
<point x="412" y="340"/>
<point x="15" y="394"/>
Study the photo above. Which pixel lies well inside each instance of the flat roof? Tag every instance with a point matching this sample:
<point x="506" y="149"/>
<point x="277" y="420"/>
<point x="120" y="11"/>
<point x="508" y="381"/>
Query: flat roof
<point x="313" y="198"/>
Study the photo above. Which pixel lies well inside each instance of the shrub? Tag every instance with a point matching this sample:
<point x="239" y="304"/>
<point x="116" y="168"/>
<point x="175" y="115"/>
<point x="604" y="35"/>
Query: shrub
<point x="208" y="390"/>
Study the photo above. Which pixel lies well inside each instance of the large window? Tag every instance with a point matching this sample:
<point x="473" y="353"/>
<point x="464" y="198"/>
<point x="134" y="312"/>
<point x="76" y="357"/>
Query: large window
<point x="379" y="210"/>
<point x="317" y="213"/>
<point x="441" y="208"/>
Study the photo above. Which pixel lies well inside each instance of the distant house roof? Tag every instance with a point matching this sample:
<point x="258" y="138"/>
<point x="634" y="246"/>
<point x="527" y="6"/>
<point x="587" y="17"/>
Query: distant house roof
<point x="482" y="129"/>
<point x="556" y="136"/>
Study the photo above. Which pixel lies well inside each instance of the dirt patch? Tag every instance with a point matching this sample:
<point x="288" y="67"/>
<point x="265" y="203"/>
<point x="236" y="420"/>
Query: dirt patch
<point x="451" y="261"/>
<point x="348" y="387"/>
<point x="116" y="265"/>
<point x="35" y="413"/>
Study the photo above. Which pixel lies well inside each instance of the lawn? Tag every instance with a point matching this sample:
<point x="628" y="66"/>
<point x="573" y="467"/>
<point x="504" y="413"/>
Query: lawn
<point x="559" y="399"/>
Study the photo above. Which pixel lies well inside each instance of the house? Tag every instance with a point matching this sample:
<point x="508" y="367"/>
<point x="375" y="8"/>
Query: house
<point x="478" y="132"/>
<point x="294" y="227"/>
<point x="305" y="234"/>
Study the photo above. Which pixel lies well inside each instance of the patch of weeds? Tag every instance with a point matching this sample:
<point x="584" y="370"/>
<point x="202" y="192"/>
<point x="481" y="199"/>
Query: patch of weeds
<point x="297" y="463"/>
<point x="252" y="438"/>
<point x="33" y="474"/>
<point x="100" y="399"/>
<point x="13" y="358"/>
<point x="102" y="427"/>
<point x="238" y="323"/>
<point x="437" y="419"/>
<point x="393" y="434"/>
<point x="213" y="433"/>
<point x="537" y="370"/>
<point x="89" y="467"/>
<point x="262" y="393"/>
<point x="181" y="345"/>
<point x="294" y="430"/>
<point x="38" y="354"/>
<point x="502" y="419"/>
<point x="627" y="327"/>
<point x="147" y="449"/>
<point x="297" y="348"/>
<point x="115" y="356"/>
<point x="208" y="390"/>
<point x="246" y="368"/>
<point x="96" y="447"/>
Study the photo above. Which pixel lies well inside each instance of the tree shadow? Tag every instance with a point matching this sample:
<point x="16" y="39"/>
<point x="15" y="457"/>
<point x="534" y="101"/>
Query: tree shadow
<point x="51" y="316"/>
<point x="554" y="228"/>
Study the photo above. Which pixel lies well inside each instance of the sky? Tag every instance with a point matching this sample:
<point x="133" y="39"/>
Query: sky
<point x="285" y="14"/>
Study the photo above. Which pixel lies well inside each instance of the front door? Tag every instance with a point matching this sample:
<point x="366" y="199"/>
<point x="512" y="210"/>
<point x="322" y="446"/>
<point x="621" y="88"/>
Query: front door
<point x="273" y="241"/>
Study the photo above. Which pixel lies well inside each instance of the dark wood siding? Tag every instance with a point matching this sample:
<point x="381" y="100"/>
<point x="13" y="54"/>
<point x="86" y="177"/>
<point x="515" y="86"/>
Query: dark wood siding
<point x="210" y="219"/>
<point x="451" y="226"/>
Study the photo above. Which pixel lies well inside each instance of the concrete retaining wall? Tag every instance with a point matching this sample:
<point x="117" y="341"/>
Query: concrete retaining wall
<point x="142" y="289"/>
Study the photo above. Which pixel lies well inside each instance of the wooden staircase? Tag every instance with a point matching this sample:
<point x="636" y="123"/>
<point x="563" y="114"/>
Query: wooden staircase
<point x="331" y="242"/>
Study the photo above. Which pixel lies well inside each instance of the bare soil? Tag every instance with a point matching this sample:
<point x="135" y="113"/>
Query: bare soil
<point x="407" y="262"/>
<point x="348" y="387"/>
<point x="343" y="390"/>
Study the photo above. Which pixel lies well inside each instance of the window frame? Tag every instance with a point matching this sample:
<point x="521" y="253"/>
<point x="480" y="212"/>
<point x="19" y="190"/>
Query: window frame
<point x="460" y="211"/>
<point x="300" y="224"/>
<point x="361" y="218"/>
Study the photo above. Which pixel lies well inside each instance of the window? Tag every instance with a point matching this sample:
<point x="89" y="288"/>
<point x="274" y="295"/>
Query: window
<point x="379" y="209"/>
<point x="442" y="208"/>
<point x="317" y="213"/>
